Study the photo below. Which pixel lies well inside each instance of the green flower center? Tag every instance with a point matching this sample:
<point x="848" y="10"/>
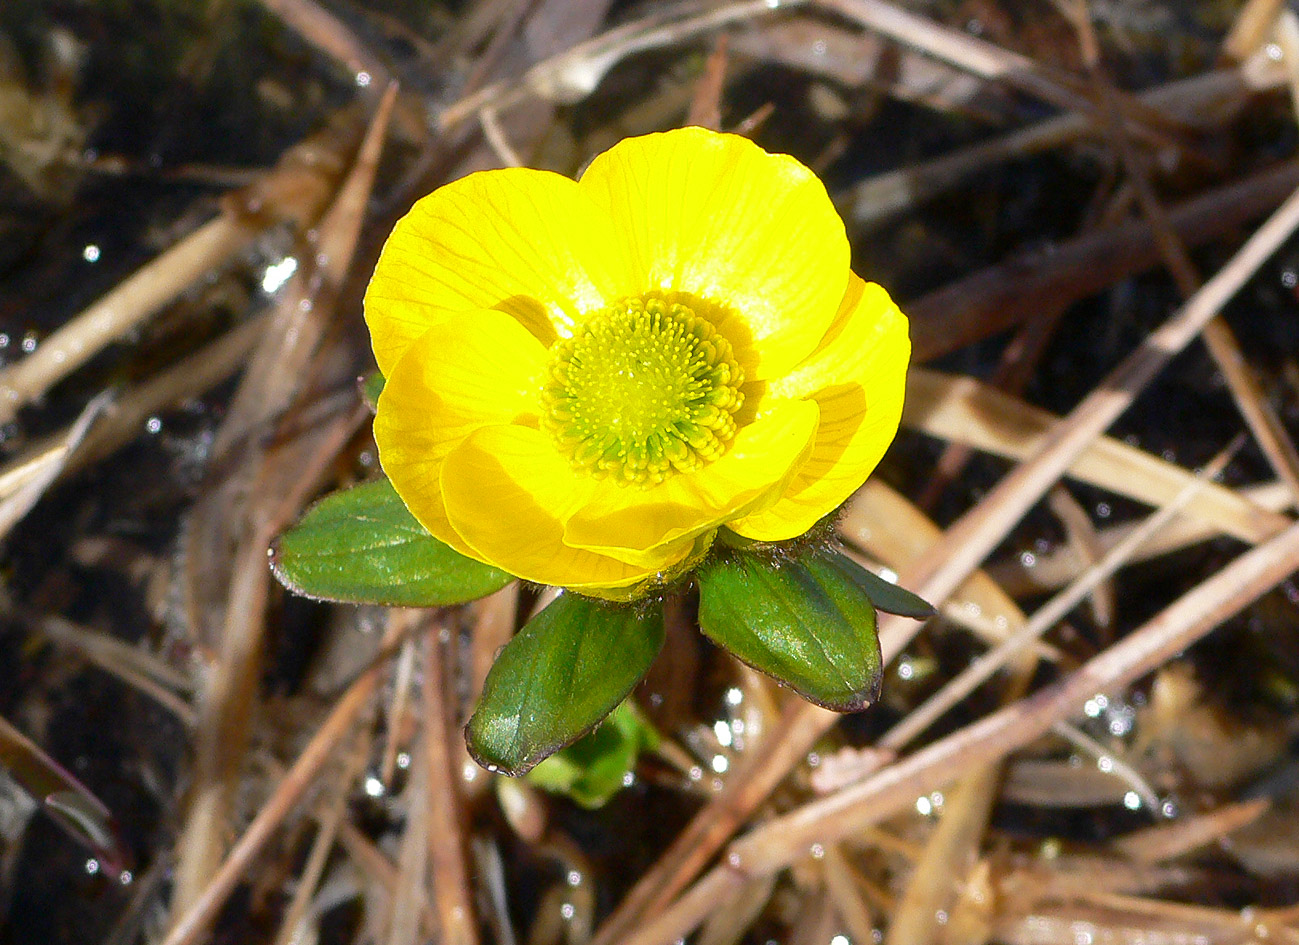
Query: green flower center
<point x="640" y="390"/>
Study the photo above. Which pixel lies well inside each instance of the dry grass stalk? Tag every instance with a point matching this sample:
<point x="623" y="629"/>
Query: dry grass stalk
<point x="1057" y="568"/>
<point x="962" y="410"/>
<point x="572" y="75"/>
<point x="22" y="486"/>
<point x="447" y="849"/>
<point x="197" y="919"/>
<point x="1251" y="27"/>
<point x="295" y="189"/>
<point x="1046" y="617"/>
<point x="292" y="925"/>
<point x="892" y="530"/>
<point x="1020" y="288"/>
<point x="1185" y="621"/>
<point x="1245" y="389"/>
<point x="251" y="508"/>
<point x="781" y="841"/>
<point x="1164" y="842"/>
<point x="973" y="536"/>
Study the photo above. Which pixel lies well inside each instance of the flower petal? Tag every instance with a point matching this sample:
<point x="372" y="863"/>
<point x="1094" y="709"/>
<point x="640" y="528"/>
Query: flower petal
<point x="857" y="377"/>
<point x="526" y="242"/>
<point x="476" y="369"/>
<point x="633" y="524"/>
<point x="716" y="217"/>
<point x="508" y="492"/>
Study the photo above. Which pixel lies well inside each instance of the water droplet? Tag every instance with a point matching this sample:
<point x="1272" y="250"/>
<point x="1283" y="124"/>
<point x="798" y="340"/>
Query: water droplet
<point x="373" y="786"/>
<point x="153" y="425"/>
<point x="1028" y="559"/>
<point x="92" y="866"/>
<point x="1132" y="800"/>
<point x="363" y="79"/>
<point x="278" y="273"/>
<point x="720" y="764"/>
<point x="574" y="878"/>
<point x="734" y="696"/>
<point x="29" y="342"/>
<point x="90" y="253"/>
<point x="403" y="760"/>
<point x="817" y="851"/>
<point x="567" y="910"/>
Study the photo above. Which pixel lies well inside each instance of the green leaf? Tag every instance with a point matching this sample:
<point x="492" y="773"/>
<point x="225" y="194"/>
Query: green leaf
<point x="371" y="386"/>
<point x="362" y="546"/>
<point x="807" y="622"/>
<point x="594" y="768"/>
<point x="885" y="595"/>
<point x="565" y="671"/>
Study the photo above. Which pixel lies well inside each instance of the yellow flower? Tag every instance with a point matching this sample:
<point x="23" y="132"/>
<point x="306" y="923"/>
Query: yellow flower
<point x="586" y="379"/>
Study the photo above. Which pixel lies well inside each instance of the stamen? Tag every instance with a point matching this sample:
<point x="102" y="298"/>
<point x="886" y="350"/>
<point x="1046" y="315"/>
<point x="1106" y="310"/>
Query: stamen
<point x="641" y="390"/>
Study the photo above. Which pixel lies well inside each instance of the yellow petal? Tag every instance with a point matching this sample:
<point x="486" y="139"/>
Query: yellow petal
<point x="857" y="377"/>
<point x="476" y="369"/>
<point x="526" y="242"/>
<point x="716" y="217"/>
<point x="634" y="525"/>
<point x="507" y="493"/>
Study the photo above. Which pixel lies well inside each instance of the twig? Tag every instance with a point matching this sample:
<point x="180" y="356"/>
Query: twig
<point x="1057" y="568"/>
<point x="882" y="196"/>
<point x="962" y="410"/>
<point x="761" y="769"/>
<point x="121" y="310"/>
<point x="1017" y="289"/>
<point x="302" y="775"/>
<point x="1046" y="617"/>
<point x="497" y="140"/>
<point x="574" y="74"/>
<point x="779" y="841"/>
<point x="706" y="105"/>
<point x="1218" y="337"/>
<point x="1167" y="841"/>
<point x="29" y="482"/>
<point x="296" y="188"/>
<point x="1186" y="620"/>
<point x="447" y="851"/>
<point x="327" y="33"/>
<point x="136" y="669"/>
<point x="327" y="825"/>
<point x="1114" y="765"/>
<point x="975" y="534"/>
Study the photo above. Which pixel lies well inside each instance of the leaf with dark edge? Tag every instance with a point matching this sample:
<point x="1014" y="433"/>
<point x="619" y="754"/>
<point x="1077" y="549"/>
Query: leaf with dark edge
<point x="807" y="622"/>
<point x="362" y="546"/>
<point x="885" y="595"/>
<point x="567" y="669"/>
